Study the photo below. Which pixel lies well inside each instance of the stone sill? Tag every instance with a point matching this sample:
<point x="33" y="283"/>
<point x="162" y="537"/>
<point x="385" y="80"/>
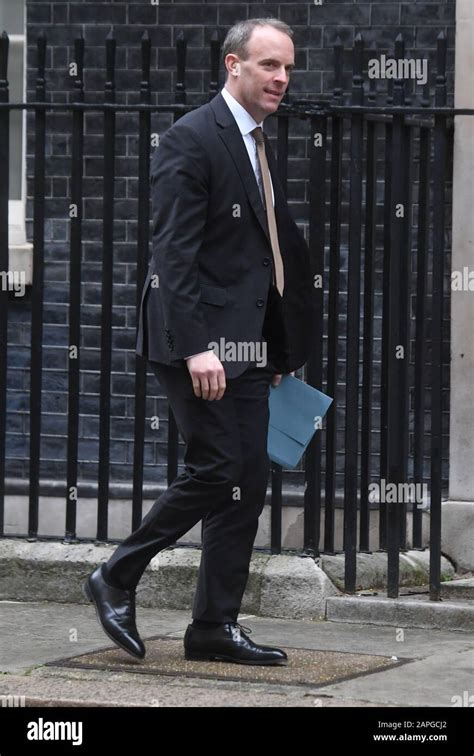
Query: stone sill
<point x="21" y="260"/>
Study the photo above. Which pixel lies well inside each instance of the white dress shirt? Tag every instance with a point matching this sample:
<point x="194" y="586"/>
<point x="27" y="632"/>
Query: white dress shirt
<point x="246" y="124"/>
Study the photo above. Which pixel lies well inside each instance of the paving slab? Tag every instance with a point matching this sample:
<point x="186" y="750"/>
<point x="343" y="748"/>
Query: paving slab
<point x="420" y="667"/>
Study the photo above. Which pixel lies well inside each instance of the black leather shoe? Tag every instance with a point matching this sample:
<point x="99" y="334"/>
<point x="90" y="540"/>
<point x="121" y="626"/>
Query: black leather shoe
<point x="228" y="642"/>
<point x="115" y="609"/>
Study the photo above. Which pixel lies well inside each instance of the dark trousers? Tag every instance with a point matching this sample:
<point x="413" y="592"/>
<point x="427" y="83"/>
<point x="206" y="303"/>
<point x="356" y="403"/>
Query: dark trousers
<point x="224" y="483"/>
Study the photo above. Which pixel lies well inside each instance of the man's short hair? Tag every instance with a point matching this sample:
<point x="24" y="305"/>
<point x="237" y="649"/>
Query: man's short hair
<point x="239" y="35"/>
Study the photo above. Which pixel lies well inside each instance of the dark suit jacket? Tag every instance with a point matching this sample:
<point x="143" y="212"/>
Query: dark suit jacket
<point x="212" y="251"/>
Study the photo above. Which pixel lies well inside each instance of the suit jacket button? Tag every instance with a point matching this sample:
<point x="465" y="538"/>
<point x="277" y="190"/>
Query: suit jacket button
<point x="266" y="261"/>
<point x="260" y="302"/>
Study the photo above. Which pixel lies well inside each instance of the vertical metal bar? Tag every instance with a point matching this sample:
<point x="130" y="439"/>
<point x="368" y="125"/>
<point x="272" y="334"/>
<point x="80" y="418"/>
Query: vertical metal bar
<point x="420" y="318"/>
<point x="215" y="46"/>
<point x="4" y="263"/>
<point x="276" y="474"/>
<point x="368" y="328"/>
<point x="385" y="319"/>
<point x="439" y="178"/>
<point x="405" y="323"/>
<point x="276" y="508"/>
<point x="37" y="292"/>
<point x="353" y="319"/>
<point x="107" y="291"/>
<point x="397" y="348"/>
<point x="75" y="294"/>
<point x="180" y="86"/>
<point x="337" y="124"/>
<point x="180" y="98"/>
<point x="142" y="261"/>
<point x="314" y="374"/>
<point x="385" y="331"/>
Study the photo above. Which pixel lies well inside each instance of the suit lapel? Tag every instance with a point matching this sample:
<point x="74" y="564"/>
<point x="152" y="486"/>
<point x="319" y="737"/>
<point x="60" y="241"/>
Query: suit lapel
<point x="230" y="134"/>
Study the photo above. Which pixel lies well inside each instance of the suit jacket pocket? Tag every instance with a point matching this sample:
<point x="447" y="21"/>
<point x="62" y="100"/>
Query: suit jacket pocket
<point x="215" y="295"/>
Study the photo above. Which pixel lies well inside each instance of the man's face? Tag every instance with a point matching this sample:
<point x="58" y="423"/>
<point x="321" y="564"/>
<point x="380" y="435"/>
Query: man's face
<point x="260" y="81"/>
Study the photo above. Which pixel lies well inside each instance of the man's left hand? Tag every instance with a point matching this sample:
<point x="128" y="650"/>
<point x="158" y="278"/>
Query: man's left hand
<point x="277" y="378"/>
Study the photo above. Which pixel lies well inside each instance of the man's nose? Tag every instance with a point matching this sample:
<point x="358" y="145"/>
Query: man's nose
<point x="282" y="76"/>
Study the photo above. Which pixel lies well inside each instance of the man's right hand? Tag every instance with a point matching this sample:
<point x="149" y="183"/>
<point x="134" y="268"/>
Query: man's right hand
<point x="208" y="375"/>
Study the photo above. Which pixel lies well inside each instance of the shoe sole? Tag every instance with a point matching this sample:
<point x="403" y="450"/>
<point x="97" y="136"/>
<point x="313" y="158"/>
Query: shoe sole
<point x="90" y="597"/>
<point x="190" y="656"/>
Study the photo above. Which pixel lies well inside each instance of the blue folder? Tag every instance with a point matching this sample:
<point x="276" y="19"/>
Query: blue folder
<point x="294" y="407"/>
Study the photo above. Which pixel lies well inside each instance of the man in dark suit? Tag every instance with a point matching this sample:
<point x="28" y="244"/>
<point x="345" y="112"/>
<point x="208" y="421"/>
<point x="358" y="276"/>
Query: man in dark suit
<point x="226" y="309"/>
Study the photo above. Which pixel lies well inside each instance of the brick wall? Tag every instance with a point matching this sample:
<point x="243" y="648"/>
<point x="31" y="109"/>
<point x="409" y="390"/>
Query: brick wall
<point x="315" y="28"/>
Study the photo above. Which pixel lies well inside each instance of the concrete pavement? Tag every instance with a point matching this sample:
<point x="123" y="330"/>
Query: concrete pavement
<point x="431" y="668"/>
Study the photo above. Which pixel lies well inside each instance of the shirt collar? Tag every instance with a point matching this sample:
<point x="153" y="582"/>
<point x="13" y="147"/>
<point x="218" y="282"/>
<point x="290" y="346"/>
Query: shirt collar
<point x="245" y="121"/>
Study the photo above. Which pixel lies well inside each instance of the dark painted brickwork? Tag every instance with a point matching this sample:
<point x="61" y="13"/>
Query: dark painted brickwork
<point x="315" y="30"/>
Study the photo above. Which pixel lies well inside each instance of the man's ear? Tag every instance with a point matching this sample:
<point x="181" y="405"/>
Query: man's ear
<point x="234" y="68"/>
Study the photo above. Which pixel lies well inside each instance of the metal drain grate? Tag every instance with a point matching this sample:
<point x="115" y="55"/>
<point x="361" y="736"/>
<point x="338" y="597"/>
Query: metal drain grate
<point x="165" y="656"/>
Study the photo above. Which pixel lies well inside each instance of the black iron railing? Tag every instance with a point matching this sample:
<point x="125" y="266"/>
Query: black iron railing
<point x="360" y="146"/>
